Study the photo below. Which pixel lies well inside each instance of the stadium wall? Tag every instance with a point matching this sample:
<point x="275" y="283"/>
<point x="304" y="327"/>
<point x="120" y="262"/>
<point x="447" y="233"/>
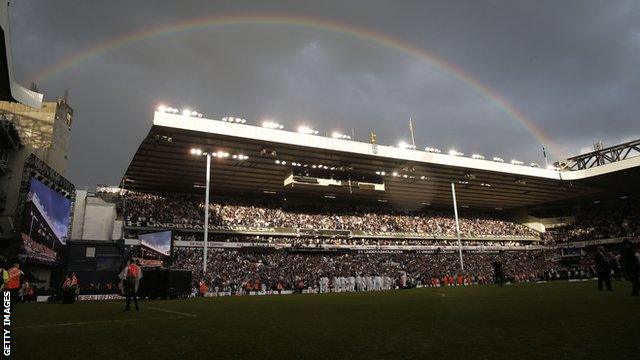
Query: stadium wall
<point x="94" y="219"/>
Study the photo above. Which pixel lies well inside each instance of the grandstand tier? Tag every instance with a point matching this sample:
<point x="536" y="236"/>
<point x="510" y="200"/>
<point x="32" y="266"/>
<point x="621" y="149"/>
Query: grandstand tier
<point x="262" y="162"/>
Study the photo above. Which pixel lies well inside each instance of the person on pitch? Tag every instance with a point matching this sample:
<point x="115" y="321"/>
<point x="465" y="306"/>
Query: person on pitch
<point x="5" y="273"/>
<point x="631" y="266"/>
<point x="14" y="283"/>
<point x="603" y="267"/>
<point x="130" y="277"/>
<point x="498" y="273"/>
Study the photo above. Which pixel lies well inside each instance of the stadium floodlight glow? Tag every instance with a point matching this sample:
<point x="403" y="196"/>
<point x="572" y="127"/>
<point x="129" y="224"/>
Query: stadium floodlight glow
<point x="432" y="150"/>
<point x="187" y="112"/>
<point x="240" y="157"/>
<point x="199" y="152"/>
<point x="535" y="165"/>
<point x="272" y="125"/>
<point x="232" y="119"/>
<point x="404" y="145"/>
<point x="278" y="162"/>
<point x="477" y="156"/>
<point x="167" y="109"/>
<point x="307" y="130"/>
<point x="454" y="152"/>
<point x="485" y="184"/>
<point x="516" y="162"/>
<point x="337" y="135"/>
<point x="394" y="174"/>
<point x="497" y="159"/>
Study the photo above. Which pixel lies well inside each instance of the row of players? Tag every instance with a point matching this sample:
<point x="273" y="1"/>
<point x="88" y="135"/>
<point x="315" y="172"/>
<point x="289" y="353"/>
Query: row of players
<point x="232" y="270"/>
<point x="358" y="283"/>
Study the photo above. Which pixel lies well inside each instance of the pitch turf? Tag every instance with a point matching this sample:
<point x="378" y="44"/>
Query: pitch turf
<point x="558" y="320"/>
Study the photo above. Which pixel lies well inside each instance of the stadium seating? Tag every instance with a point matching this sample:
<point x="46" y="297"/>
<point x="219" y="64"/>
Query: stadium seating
<point x="616" y="219"/>
<point x="188" y="210"/>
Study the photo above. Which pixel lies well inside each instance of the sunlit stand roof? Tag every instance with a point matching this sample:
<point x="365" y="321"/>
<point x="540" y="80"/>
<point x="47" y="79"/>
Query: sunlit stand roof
<point x="254" y="160"/>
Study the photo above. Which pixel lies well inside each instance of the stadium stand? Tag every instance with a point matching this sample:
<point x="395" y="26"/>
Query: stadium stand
<point x="602" y="220"/>
<point x="151" y="208"/>
<point x="289" y="211"/>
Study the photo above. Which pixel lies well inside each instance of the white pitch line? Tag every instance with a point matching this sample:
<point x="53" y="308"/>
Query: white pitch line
<point x="171" y="311"/>
<point x="96" y="322"/>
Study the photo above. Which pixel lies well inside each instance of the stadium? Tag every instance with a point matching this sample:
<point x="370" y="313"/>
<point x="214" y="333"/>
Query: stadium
<point x="256" y="240"/>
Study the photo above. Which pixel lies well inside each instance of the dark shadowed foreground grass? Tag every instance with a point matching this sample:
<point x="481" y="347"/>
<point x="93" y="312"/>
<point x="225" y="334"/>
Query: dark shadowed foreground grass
<point x="532" y="321"/>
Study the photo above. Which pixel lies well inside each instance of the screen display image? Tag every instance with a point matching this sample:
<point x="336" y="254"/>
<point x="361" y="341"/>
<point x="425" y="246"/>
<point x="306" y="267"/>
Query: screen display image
<point x="159" y="242"/>
<point x="46" y="224"/>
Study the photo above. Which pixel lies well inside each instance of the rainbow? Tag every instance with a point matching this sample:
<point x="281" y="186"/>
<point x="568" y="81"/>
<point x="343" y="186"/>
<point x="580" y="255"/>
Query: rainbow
<point x="307" y="23"/>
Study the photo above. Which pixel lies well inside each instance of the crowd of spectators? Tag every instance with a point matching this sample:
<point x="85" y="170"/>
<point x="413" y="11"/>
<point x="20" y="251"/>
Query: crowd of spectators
<point x="237" y="270"/>
<point x="351" y="242"/>
<point x="183" y="209"/>
<point x="33" y="248"/>
<point x="617" y="219"/>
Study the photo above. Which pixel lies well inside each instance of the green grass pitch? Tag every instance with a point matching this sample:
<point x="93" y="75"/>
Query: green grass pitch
<point x="557" y="320"/>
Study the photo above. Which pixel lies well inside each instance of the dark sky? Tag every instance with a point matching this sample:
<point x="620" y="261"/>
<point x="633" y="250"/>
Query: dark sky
<point x="570" y="67"/>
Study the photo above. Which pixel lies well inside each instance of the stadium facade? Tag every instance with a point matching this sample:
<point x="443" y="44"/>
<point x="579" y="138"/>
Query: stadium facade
<point x="285" y="163"/>
<point x="34" y="141"/>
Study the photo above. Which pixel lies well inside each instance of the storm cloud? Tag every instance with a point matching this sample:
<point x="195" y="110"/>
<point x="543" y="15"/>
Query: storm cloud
<point x="570" y="68"/>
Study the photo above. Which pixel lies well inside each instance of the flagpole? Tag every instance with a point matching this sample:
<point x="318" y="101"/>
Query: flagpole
<point x="413" y="140"/>
<point x="455" y="210"/>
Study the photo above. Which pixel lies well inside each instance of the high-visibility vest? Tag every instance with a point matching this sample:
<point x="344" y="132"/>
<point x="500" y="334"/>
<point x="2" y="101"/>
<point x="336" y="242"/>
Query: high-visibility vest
<point x="5" y="278"/>
<point x="14" y="278"/>
<point x="133" y="271"/>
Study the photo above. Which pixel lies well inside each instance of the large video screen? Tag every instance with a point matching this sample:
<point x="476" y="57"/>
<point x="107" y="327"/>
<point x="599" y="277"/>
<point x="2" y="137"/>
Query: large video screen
<point x="159" y="242"/>
<point x="45" y="227"/>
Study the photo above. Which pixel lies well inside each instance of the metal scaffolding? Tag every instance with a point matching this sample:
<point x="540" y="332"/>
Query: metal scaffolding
<point x="601" y="157"/>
